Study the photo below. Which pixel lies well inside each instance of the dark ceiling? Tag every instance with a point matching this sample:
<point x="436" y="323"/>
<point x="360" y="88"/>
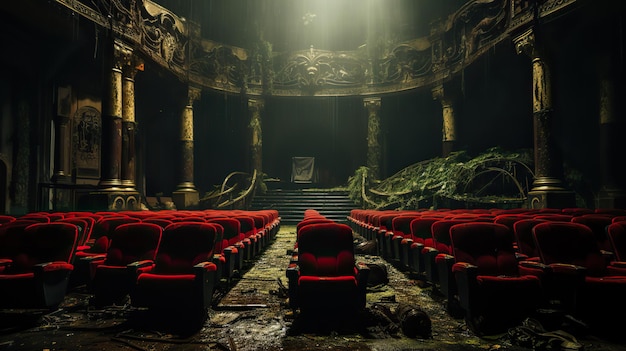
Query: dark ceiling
<point x="325" y="24"/>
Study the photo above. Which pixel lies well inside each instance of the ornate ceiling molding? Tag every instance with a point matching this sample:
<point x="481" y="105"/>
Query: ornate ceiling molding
<point x="455" y="43"/>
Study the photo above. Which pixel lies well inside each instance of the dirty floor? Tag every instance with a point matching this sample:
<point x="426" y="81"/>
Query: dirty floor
<point x="251" y="313"/>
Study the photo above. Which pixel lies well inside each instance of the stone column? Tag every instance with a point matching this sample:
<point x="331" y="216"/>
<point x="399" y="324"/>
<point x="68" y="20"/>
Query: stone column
<point x="374" y="149"/>
<point x="113" y="194"/>
<point x="62" y="137"/>
<point x="548" y="190"/>
<point x="112" y="120"/>
<point x="448" y="126"/>
<point x="128" y="123"/>
<point x="255" y="109"/>
<point x="612" y="194"/>
<point x="186" y="194"/>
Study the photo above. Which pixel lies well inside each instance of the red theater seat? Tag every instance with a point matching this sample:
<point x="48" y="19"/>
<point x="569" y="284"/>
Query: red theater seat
<point x="132" y="251"/>
<point x="182" y="281"/>
<point x="577" y="276"/>
<point x="37" y="275"/>
<point x="490" y="289"/>
<point x="326" y="278"/>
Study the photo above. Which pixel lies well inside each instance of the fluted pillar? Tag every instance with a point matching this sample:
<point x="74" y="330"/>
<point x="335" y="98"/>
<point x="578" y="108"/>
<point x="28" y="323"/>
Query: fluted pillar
<point x="448" y="126"/>
<point x="62" y="137"/>
<point x="128" y="123"/>
<point x="548" y="189"/>
<point x="186" y="194"/>
<point x="374" y="149"/>
<point x="255" y="109"/>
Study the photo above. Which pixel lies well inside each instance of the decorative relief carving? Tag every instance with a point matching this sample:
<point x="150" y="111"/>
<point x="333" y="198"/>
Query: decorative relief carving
<point x="316" y="68"/>
<point x="475" y="25"/>
<point x="163" y="33"/>
<point x="87" y="134"/>
<point x="219" y="65"/>
<point x="404" y="64"/>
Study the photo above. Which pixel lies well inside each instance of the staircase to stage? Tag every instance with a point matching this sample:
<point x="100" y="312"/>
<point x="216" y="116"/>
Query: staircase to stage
<point x="291" y="203"/>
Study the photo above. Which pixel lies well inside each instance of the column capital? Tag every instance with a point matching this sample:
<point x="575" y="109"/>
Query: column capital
<point x="525" y="43"/>
<point x="122" y="55"/>
<point x="193" y="93"/>
<point x="256" y="104"/>
<point x="443" y="95"/>
<point x="131" y="66"/>
<point x="372" y="103"/>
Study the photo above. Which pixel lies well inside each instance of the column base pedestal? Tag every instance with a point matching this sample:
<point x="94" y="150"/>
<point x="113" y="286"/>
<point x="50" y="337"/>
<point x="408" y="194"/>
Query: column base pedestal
<point x="551" y="199"/>
<point x="186" y="199"/>
<point x="111" y="201"/>
<point x="611" y="198"/>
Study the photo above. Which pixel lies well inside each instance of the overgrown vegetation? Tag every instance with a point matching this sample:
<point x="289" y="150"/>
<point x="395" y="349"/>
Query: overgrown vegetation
<point x="496" y="177"/>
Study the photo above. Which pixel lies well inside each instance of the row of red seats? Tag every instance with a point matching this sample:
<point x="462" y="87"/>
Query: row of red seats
<point x="424" y="242"/>
<point x="111" y="249"/>
<point x="324" y="277"/>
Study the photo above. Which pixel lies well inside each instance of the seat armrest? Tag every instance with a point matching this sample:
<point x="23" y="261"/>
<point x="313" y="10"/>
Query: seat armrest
<point x="537" y="269"/>
<point x="564" y="268"/>
<point x="5" y="262"/>
<point x="138" y="265"/>
<point x="520" y="256"/>
<point x="465" y="276"/>
<point x="52" y="266"/>
<point x="608" y="255"/>
<point x="618" y="264"/>
<point x="97" y="257"/>
<point x="362" y="274"/>
<point x="293" y="271"/>
<point x="205" y="267"/>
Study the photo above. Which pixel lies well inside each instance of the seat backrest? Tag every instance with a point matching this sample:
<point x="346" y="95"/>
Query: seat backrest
<point x="441" y="234"/>
<point x="326" y="249"/>
<point x="307" y="221"/>
<point x="401" y="225"/>
<point x="569" y="243"/>
<point x="617" y="237"/>
<point x="523" y="231"/>
<point x="246" y="225"/>
<point x="489" y="246"/>
<point x="420" y="229"/>
<point x="85" y="227"/>
<point x="46" y="242"/>
<point x="231" y="227"/>
<point x="6" y="219"/>
<point x="554" y="217"/>
<point x="38" y="217"/>
<point x="183" y="245"/>
<point x="598" y="224"/>
<point x="132" y="242"/>
<point x="11" y="242"/>
<point x="386" y="220"/>
<point x="104" y="228"/>
<point x="162" y="222"/>
<point x="509" y="219"/>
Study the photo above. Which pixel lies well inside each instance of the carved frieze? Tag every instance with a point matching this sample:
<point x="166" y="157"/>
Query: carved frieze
<point x="316" y="68"/>
<point x="218" y="66"/>
<point x="453" y="44"/>
<point x="404" y="64"/>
